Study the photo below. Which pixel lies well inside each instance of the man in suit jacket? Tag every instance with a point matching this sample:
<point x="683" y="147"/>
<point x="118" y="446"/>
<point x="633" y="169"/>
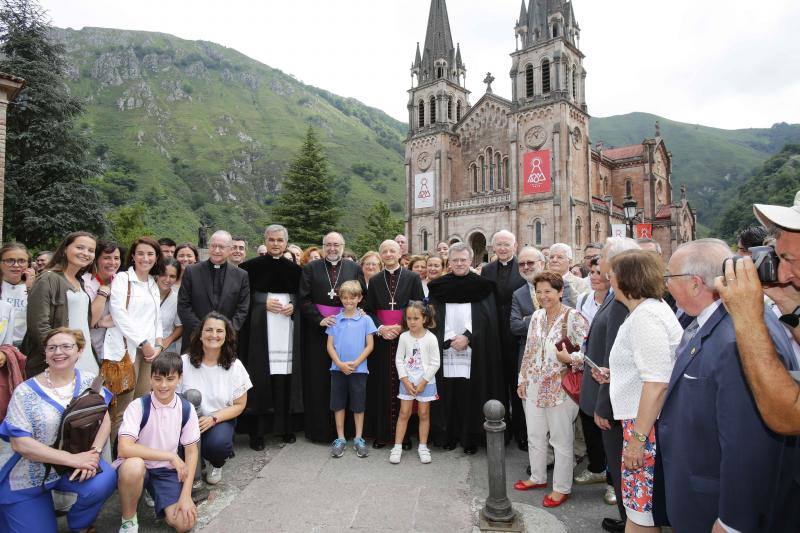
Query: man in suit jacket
<point x="523" y="302"/>
<point x="505" y="273"/>
<point x="720" y="460"/>
<point x="213" y="285"/>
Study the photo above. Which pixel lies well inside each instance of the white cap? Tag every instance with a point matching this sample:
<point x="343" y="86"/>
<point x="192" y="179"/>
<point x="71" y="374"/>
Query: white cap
<point x="785" y="217"/>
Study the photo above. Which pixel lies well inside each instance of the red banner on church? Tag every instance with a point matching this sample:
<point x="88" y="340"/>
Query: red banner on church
<point x="644" y="231"/>
<point x="536" y="172"/>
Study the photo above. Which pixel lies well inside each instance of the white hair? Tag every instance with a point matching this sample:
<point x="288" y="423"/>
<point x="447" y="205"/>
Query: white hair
<point x="617" y="245"/>
<point x="222" y="234"/>
<point x="561" y="247"/>
<point x="704" y="258"/>
<point x="460" y="247"/>
<point x="277" y="227"/>
<point x="333" y="233"/>
<point x="539" y="255"/>
<point x="504" y="233"/>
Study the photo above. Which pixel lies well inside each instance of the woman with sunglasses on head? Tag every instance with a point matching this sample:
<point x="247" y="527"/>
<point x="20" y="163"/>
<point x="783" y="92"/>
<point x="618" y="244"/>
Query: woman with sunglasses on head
<point x="17" y="279"/>
<point x="57" y="299"/>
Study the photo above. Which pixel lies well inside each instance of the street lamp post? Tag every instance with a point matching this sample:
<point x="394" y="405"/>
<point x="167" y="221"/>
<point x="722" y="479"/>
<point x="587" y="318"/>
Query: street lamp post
<point x="629" y="212"/>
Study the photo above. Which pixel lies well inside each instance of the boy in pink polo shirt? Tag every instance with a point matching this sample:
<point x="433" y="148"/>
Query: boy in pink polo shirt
<point x="148" y="452"/>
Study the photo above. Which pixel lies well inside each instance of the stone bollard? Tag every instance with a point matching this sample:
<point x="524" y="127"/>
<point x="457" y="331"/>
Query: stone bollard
<point x="199" y="491"/>
<point x="497" y="514"/>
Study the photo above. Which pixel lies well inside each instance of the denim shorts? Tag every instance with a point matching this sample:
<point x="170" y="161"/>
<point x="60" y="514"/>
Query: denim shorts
<point x="352" y="387"/>
<point x="164" y="487"/>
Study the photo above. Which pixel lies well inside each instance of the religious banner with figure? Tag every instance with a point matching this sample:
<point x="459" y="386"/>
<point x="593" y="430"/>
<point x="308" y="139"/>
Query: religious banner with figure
<point x="536" y="172"/>
<point x="618" y="230"/>
<point x="644" y="231"/>
<point x="423" y="190"/>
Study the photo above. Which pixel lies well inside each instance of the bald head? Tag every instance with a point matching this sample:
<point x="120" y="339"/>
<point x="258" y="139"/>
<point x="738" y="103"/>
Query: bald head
<point x="219" y="247"/>
<point x="333" y="246"/>
<point x="390" y="252"/>
<point x="504" y="244"/>
<point x="692" y="270"/>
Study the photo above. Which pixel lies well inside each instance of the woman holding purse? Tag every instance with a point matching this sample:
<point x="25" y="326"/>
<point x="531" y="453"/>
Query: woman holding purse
<point x="136" y="338"/>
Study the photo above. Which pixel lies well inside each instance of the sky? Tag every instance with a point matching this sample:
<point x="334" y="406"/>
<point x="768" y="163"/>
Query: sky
<point x="724" y="63"/>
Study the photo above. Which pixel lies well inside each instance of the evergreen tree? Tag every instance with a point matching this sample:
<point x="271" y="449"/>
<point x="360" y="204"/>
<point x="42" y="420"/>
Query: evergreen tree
<point x="47" y="161"/>
<point x="307" y="203"/>
<point x="381" y="225"/>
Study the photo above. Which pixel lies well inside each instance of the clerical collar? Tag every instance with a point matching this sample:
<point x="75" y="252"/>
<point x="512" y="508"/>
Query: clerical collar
<point x="276" y="257"/>
<point x="393" y="270"/>
<point x="216" y="266"/>
<point x="506" y="263"/>
<point x="333" y="263"/>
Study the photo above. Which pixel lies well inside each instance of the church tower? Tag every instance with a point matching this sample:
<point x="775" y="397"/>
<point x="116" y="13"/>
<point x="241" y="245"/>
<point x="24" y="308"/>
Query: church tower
<point x="549" y="123"/>
<point x="437" y="101"/>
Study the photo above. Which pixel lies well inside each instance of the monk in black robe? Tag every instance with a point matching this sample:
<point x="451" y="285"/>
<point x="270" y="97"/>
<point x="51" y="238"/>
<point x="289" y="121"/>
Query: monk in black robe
<point x="272" y="356"/>
<point x="388" y="295"/>
<point x="319" y="304"/>
<point x="471" y="371"/>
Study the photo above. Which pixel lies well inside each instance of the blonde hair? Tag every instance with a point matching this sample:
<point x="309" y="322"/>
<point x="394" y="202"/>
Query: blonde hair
<point x="350" y="288"/>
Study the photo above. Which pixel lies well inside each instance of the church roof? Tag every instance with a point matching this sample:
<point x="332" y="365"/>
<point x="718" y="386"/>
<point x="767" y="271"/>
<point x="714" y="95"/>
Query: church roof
<point x="624" y="152"/>
<point x="665" y="211"/>
<point x="438" y="39"/>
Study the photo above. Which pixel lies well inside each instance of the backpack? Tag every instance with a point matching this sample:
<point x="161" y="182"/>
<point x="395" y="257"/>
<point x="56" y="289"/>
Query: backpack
<point x="80" y="423"/>
<point x="186" y="407"/>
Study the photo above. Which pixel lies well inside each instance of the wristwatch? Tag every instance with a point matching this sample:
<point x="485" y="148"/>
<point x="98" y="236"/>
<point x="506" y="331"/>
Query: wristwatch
<point x="639" y="436"/>
<point x="214" y="418"/>
<point x="98" y="449"/>
<point x="791" y="319"/>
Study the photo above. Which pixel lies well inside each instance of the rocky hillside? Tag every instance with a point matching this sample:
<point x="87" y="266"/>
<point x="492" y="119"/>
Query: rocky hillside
<point x="196" y="131"/>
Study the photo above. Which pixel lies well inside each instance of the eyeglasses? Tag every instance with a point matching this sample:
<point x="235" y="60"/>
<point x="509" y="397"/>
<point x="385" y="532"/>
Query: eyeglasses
<point x="53" y="348"/>
<point x="219" y="246"/>
<point x="667" y="277"/>
<point x="12" y="262"/>
<point x="332" y="245"/>
<point x="528" y="264"/>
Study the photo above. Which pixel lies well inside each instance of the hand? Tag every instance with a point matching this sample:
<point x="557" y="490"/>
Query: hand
<point x="274" y="306"/>
<point x="741" y="292"/>
<point x="345" y="368"/>
<point x="288" y="309"/>
<point x="148" y="351"/>
<point x="633" y="455"/>
<point x="30" y="277"/>
<point x="206" y="423"/>
<point x="85" y="460"/>
<point x="187" y="508"/>
<point x="786" y="297"/>
<point x="460" y="343"/>
<point x="106" y="322"/>
<point x="2" y="359"/>
<point x="563" y="356"/>
<point x="82" y="474"/>
<point x="601" y="422"/>
<point x="717" y="527"/>
<point x="420" y="387"/>
<point x="603" y="376"/>
<point x="180" y="467"/>
<point x="522" y="391"/>
<point x="156" y="353"/>
<point x="409" y="387"/>
<point x="328" y="321"/>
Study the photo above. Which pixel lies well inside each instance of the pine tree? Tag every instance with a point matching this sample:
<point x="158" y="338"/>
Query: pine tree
<point x="307" y="204"/>
<point x="47" y="160"/>
<point x="381" y="225"/>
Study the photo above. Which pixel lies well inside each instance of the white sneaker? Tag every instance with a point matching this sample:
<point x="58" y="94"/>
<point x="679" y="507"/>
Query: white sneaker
<point x="395" y="454"/>
<point x="215" y="476"/>
<point x="424" y="455"/>
<point x="129" y="526"/>
<point x="148" y="500"/>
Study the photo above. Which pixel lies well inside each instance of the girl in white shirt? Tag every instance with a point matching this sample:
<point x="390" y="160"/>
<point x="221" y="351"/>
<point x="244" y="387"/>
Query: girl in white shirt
<point x="17" y="279"/>
<point x="417" y="360"/>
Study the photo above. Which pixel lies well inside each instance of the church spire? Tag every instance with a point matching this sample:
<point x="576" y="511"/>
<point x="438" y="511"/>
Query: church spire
<point x="523" y="15"/>
<point x="548" y="19"/>
<point x="439" y="54"/>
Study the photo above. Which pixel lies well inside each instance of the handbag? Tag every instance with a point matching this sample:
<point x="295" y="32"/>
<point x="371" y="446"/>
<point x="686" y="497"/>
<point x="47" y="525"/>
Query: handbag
<point x="571" y="381"/>
<point x="120" y="376"/>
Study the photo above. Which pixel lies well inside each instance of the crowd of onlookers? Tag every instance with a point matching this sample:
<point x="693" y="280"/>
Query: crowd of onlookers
<point x="672" y="376"/>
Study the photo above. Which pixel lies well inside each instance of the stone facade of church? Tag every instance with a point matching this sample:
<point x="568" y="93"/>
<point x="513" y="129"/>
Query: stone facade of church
<point x="525" y="164"/>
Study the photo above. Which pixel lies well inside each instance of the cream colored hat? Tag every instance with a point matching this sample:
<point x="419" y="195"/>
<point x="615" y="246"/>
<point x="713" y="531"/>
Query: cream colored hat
<point x="785" y="217"/>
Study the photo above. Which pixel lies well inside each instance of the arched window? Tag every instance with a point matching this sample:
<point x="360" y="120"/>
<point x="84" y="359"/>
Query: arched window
<point x="555" y="29"/>
<point x="473" y="168"/>
<point x="604" y="182"/>
<point x="505" y="172"/>
<point x="597" y="232"/>
<point x="432" y="112"/>
<point x="491" y="168"/>
<point x="439" y="71"/>
<point x="421" y="113"/>
<point x="628" y="188"/>
<point x="529" y="81"/>
<point x="574" y="84"/>
<point x="578" y="231"/>
<point x="458" y="111"/>
<point x="424" y="240"/>
<point x="449" y="108"/>
<point x="537" y="232"/>
<point x="482" y="162"/>
<point x="501" y="177"/>
<point x="546" y="76"/>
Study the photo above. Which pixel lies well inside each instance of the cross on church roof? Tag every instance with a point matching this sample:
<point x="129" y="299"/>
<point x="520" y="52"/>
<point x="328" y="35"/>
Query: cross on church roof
<point x="488" y="81"/>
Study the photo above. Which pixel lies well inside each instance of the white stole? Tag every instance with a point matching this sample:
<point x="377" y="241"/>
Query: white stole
<point x="279" y="337"/>
<point x="457" y="363"/>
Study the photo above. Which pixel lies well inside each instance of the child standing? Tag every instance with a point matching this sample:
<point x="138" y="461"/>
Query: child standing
<point x="417" y="361"/>
<point x="148" y="450"/>
<point x="349" y="344"/>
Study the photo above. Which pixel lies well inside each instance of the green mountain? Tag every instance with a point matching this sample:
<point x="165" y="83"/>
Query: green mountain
<point x="711" y="162"/>
<point x="196" y="131"/>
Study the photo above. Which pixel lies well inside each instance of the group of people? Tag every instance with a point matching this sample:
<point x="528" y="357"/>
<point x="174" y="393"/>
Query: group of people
<point x="686" y="408"/>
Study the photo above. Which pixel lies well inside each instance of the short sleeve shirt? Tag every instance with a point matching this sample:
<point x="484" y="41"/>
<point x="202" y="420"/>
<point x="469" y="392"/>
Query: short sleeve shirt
<point x="218" y="386"/>
<point x="163" y="429"/>
<point x="350" y="337"/>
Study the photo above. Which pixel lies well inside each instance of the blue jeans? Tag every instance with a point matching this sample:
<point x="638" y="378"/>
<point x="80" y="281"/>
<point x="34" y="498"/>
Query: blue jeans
<point x="216" y="444"/>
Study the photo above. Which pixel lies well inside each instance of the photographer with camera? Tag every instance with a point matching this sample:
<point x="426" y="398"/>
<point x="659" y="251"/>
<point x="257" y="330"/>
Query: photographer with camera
<point x="776" y="393"/>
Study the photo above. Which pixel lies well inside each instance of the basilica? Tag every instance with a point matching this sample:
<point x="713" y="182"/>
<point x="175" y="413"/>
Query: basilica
<point x="527" y="163"/>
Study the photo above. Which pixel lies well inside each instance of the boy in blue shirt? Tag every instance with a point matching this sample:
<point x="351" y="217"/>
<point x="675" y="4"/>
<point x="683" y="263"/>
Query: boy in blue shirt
<point x="349" y="344"/>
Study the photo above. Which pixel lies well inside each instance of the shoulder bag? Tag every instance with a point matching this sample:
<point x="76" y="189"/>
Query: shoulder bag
<point x="571" y="381"/>
<point x="120" y="376"/>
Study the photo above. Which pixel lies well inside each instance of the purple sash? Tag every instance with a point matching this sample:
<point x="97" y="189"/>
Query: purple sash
<point x="327" y="310"/>
<point x="390" y="317"/>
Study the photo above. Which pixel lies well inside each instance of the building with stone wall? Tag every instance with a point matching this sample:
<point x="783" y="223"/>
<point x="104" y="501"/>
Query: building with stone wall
<point x="10" y="86"/>
<point x="525" y="164"/>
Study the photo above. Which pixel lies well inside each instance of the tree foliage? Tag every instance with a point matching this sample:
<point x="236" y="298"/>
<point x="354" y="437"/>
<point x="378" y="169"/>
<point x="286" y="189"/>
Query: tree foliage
<point x="380" y="226"/>
<point x="47" y="160"/>
<point x="129" y="223"/>
<point x="307" y="205"/>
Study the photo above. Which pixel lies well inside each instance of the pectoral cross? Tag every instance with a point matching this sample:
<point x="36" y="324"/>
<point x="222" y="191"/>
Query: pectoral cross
<point x="332" y="293"/>
<point x="391" y="304"/>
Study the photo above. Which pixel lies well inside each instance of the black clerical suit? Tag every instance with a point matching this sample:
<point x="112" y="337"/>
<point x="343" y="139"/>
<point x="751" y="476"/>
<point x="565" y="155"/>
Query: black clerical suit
<point x="383" y="405"/>
<point x="275" y="399"/>
<point x="318" y="279"/>
<point x="508" y="279"/>
<point x="206" y="287"/>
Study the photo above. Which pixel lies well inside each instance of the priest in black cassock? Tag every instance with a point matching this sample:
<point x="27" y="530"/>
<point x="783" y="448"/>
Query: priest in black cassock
<point x="319" y="304"/>
<point x="471" y="371"/>
<point x="270" y="342"/>
<point x="505" y="273"/>
<point x="388" y="295"/>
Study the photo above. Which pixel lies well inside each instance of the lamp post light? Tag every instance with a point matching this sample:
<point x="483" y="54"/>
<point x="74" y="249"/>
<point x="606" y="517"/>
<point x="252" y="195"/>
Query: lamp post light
<point x="629" y="212"/>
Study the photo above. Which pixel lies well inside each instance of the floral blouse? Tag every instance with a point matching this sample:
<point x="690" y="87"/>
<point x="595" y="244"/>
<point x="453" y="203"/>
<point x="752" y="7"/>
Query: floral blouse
<point x="539" y="362"/>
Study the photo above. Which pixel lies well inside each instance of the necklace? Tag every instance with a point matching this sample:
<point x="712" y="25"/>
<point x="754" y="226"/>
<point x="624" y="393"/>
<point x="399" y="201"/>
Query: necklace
<point x="392" y="293"/>
<point x="50" y="385"/>
<point x="332" y="292"/>
<point x="548" y="322"/>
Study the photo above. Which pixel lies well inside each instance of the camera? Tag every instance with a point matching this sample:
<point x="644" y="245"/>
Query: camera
<point x="766" y="262"/>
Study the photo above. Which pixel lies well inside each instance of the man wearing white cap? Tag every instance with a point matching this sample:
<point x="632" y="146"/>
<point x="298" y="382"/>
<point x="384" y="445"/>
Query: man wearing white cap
<point x="776" y="393"/>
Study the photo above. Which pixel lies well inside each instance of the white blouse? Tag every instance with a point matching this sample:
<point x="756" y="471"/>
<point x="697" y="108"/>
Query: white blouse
<point x="644" y="351"/>
<point x="139" y="321"/>
<point x="170" y="320"/>
<point x="218" y="386"/>
<point x="429" y="354"/>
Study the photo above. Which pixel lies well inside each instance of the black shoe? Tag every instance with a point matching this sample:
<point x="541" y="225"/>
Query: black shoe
<point x="613" y="525"/>
<point x="406" y="445"/>
<point x="470" y="450"/>
<point x="378" y="445"/>
<point x="449" y="446"/>
<point x="257" y="443"/>
<point x="528" y="470"/>
<point x="289" y="438"/>
<point x="522" y="445"/>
